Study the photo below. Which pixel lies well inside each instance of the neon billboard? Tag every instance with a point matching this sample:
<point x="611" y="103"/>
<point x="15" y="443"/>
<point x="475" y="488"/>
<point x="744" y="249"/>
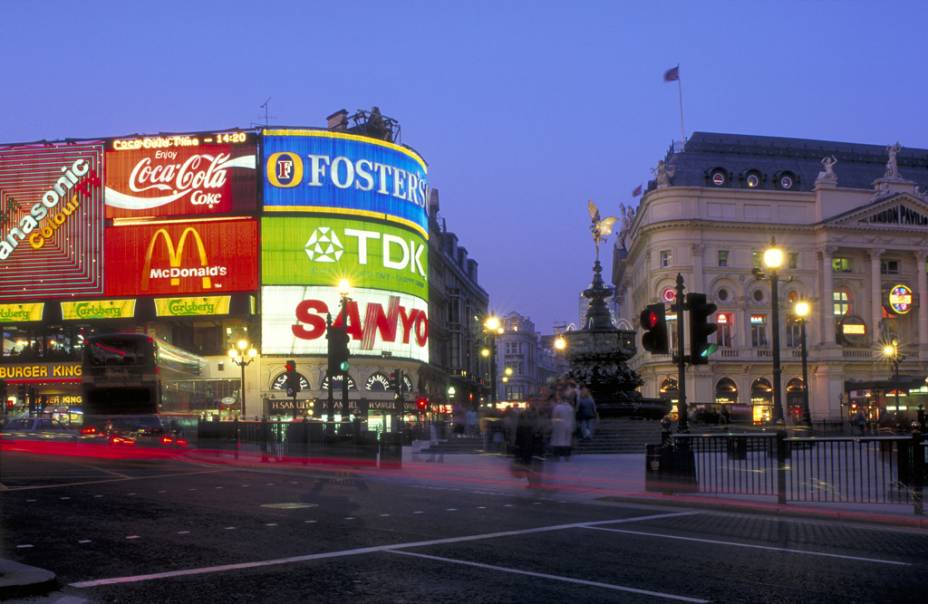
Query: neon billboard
<point x="191" y="257"/>
<point x="339" y="173"/>
<point x="51" y="220"/>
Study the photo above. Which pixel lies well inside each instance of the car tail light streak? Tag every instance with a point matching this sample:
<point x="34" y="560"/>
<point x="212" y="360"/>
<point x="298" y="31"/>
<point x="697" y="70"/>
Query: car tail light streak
<point x="88" y="430"/>
<point x="121" y="440"/>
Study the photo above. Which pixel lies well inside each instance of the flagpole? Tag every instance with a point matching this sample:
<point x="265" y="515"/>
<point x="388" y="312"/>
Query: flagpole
<point x="680" y="91"/>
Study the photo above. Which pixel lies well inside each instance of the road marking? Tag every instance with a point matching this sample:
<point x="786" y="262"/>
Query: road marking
<point x="309" y="522"/>
<point x="418" y="512"/>
<point x="217" y="488"/>
<point x="507" y="505"/>
<point x="108" y="480"/>
<point x="64" y="498"/>
<point x="349" y="517"/>
<point x="162" y="491"/>
<point x="83" y="541"/>
<point x="104" y="470"/>
<point x="183" y="532"/>
<point x="536" y="503"/>
<point x="95" y="497"/>
<point x="363" y="550"/>
<point x="132" y="537"/>
<point x="24" y="546"/>
<point x="481" y="507"/>
<point x="270" y="524"/>
<point x="192" y="489"/>
<point x="244" y="485"/>
<point x="385" y="515"/>
<point x="131" y="494"/>
<point x="31" y="500"/>
<point x="289" y="505"/>
<point x="451" y="509"/>
<point x="230" y="528"/>
<point x="749" y="545"/>
<point x="3" y="487"/>
<point x="516" y="571"/>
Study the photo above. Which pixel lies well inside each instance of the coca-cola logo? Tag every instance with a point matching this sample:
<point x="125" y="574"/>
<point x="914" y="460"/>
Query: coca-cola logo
<point x="165" y="176"/>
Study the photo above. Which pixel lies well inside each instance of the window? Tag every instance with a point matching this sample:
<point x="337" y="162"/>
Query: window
<point x="793" y="333"/>
<point x="671" y="319"/>
<point x="758" y="295"/>
<point x="759" y="331"/>
<point x="841" y="265"/>
<point x="726" y="391"/>
<point x="666" y="257"/>
<point x="723" y="257"/>
<point x="842" y="303"/>
<point x="889" y="267"/>
<point x="724" y="322"/>
<point x="794" y="260"/>
<point x="722" y="295"/>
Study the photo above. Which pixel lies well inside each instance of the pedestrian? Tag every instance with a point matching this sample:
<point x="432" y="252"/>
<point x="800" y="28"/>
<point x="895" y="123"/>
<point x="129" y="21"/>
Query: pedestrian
<point x="470" y="422"/>
<point x="459" y="418"/>
<point x="725" y="415"/>
<point x="529" y="445"/>
<point x="586" y="413"/>
<point x="860" y="420"/>
<point x="562" y="428"/>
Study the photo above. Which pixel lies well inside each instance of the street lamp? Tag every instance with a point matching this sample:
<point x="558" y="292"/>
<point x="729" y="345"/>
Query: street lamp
<point x="493" y="327"/>
<point x="560" y="343"/>
<point x="891" y="353"/>
<point x="773" y="261"/>
<point x="242" y="355"/>
<point x="802" y="309"/>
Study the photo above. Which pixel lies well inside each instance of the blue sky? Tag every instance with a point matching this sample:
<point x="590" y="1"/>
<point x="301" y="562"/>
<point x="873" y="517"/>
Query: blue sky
<point x="524" y="110"/>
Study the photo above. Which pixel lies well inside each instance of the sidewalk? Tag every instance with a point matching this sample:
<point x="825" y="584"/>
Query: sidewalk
<point x="621" y="477"/>
<point x="20" y="581"/>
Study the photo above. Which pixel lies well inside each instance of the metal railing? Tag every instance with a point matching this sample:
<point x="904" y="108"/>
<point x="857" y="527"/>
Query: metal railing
<point x="834" y="469"/>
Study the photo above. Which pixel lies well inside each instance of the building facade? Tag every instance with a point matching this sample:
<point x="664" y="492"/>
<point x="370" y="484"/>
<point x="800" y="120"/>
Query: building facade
<point x="456" y="305"/>
<point x="207" y="238"/>
<point x="853" y="222"/>
<point x="525" y="360"/>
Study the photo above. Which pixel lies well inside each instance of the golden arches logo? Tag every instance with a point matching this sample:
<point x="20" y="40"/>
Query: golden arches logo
<point x="175" y="255"/>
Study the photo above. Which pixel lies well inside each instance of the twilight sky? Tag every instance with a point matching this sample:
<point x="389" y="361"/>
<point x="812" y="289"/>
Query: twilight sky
<point x="524" y="110"/>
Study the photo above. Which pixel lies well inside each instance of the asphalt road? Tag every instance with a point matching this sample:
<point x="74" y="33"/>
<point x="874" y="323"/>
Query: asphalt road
<point x="174" y="531"/>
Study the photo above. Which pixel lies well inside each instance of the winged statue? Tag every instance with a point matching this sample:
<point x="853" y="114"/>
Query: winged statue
<point x="600" y="227"/>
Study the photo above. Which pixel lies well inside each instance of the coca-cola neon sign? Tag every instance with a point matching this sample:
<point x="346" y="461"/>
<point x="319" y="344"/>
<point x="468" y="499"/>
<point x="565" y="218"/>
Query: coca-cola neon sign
<point x="160" y="176"/>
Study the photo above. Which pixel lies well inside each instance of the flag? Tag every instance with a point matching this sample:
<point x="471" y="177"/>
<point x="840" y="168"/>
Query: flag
<point x="672" y="74"/>
<point x="637" y="191"/>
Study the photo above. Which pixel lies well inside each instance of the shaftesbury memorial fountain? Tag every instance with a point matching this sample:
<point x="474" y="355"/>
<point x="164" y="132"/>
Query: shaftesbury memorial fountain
<point x="599" y="352"/>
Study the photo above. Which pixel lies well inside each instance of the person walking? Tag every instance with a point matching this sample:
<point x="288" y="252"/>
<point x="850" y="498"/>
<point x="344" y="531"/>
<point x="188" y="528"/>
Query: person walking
<point x="586" y="413"/>
<point x="562" y="428"/>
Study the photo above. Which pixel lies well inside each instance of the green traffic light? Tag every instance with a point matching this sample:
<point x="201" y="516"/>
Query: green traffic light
<point x="708" y="350"/>
<point x="344" y="366"/>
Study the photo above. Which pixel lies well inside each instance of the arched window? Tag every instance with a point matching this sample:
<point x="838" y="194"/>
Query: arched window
<point x="726" y="391"/>
<point x="794" y="396"/>
<point x="762" y="392"/>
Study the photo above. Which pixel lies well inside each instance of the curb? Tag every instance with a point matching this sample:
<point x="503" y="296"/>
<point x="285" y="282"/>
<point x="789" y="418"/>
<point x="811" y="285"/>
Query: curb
<point x="21" y="580"/>
<point x="792" y="511"/>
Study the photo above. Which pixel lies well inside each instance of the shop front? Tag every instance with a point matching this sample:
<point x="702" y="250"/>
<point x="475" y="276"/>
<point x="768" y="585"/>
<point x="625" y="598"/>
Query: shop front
<point x="42" y="388"/>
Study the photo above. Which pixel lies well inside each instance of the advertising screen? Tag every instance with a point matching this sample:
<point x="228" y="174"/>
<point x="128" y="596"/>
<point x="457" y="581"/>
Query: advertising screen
<point x="337" y="172"/>
<point x="178" y="175"/>
<point x="51" y="220"/>
<point x="320" y="250"/>
<point x="193" y="257"/>
<point x="293" y="322"/>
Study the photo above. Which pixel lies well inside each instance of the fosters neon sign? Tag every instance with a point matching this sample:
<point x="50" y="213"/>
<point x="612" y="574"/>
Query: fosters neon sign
<point x="324" y="171"/>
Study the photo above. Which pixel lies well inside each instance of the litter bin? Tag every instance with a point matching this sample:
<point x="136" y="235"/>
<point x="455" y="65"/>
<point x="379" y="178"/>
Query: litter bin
<point x="652" y="468"/>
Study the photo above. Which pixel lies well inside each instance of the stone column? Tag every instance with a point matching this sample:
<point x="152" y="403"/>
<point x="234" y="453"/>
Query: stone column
<point x="876" y="301"/>
<point x="922" y="303"/>
<point x="826" y="313"/>
<point x="698" y="285"/>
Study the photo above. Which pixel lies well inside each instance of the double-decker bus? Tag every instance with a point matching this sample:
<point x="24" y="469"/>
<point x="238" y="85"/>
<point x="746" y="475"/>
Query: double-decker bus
<point x="136" y="385"/>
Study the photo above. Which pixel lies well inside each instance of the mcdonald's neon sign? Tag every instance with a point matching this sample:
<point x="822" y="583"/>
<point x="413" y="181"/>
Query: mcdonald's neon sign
<point x="190" y="257"/>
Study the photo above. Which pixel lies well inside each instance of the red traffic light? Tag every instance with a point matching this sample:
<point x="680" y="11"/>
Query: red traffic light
<point x="422" y="403"/>
<point x="649" y="319"/>
<point x="290" y="366"/>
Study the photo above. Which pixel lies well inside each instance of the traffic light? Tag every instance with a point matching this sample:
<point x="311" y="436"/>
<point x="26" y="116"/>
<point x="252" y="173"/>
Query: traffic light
<point x="293" y="378"/>
<point x="396" y="382"/>
<point x="654" y="322"/>
<point x="700" y="328"/>
<point x="422" y="404"/>
<point x="338" y="350"/>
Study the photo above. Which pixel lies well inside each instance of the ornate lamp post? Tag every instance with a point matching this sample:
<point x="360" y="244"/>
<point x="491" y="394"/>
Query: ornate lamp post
<point x="802" y="309"/>
<point x="891" y="353"/>
<point x="242" y="355"/>
<point x="773" y="261"/>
